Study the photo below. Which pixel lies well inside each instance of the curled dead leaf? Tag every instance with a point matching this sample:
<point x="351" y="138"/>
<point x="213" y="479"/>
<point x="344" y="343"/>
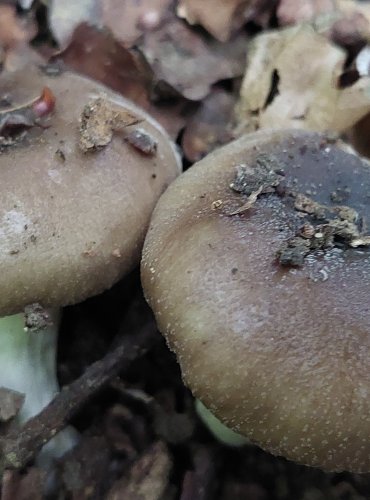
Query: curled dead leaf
<point x="279" y="92"/>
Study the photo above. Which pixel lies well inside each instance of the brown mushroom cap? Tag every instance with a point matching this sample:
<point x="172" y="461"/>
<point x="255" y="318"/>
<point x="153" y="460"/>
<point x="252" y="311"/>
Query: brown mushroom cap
<point x="72" y="223"/>
<point x="280" y="354"/>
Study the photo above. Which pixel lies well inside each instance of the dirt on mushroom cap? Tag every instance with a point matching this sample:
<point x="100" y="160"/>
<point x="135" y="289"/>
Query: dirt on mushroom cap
<point x="71" y="224"/>
<point x="280" y="354"/>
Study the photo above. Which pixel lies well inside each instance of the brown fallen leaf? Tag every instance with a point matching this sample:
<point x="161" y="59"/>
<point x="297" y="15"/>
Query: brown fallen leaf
<point x="299" y="11"/>
<point x="345" y="22"/>
<point x="349" y="8"/>
<point x="210" y="126"/>
<point x="359" y="136"/>
<point x="96" y="54"/>
<point x="148" y="477"/>
<point x="351" y="31"/>
<point x="200" y="483"/>
<point x="27" y="486"/>
<point x="189" y="62"/>
<point x="84" y="471"/>
<point x="128" y="20"/>
<point x="223" y="18"/>
<point x="126" y="431"/>
<point x="219" y="17"/>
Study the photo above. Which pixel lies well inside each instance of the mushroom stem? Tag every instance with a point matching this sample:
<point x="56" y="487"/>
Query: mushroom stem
<point x="28" y="365"/>
<point x="219" y="430"/>
<point x="28" y="361"/>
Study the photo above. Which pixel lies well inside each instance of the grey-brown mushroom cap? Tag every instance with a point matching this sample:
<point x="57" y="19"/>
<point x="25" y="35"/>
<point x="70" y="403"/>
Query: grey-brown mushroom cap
<point x="280" y="354"/>
<point x="73" y="223"/>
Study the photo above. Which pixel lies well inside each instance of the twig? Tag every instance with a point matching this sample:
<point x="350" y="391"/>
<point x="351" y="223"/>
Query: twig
<point x="20" y="446"/>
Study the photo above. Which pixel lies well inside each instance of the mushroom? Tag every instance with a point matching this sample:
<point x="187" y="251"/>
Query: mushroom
<point x="78" y="185"/>
<point x="257" y="267"/>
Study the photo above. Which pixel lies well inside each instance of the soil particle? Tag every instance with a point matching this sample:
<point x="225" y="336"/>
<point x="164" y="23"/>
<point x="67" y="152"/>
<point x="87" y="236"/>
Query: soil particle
<point x="265" y="175"/>
<point x="36" y="318"/>
<point x="325" y="227"/>
<point x="100" y="118"/>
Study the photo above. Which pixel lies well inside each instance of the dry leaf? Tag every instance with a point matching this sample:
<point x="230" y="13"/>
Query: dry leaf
<point x="219" y="17"/>
<point x="128" y="20"/>
<point x="188" y="62"/>
<point x="95" y="53"/>
<point x="148" y="477"/>
<point x="345" y="22"/>
<point x="210" y="125"/>
<point x="23" y="486"/>
<point x="222" y="18"/>
<point x="85" y="468"/>
<point x="359" y="136"/>
<point x="15" y="33"/>
<point x="261" y="12"/>
<point x="299" y="11"/>
<point x="291" y="82"/>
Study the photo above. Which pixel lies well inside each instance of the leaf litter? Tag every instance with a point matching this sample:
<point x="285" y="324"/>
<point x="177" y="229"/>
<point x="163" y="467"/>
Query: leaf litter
<point x="208" y="71"/>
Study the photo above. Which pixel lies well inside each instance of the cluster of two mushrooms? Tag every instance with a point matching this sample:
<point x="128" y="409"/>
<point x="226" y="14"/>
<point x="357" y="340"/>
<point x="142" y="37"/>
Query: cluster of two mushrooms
<point x="256" y="263"/>
<point x="78" y="185"/>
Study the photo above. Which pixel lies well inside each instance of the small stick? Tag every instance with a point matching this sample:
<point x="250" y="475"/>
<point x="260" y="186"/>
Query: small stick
<point x="20" y="446"/>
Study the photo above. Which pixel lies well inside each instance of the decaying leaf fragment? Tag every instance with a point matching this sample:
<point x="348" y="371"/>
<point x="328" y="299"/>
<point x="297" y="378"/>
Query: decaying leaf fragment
<point x="128" y="20"/>
<point x="298" y="11"/>
<point x="324" y="227"/>
<point x="188" y="63"/>
<point x="99" y="119"/>
<point x="218" y="17"/>
<point x="291" y="82"/>
<point x="210" y="126"/>
<point x="263" y="177"/>
<point x="147" y="479"/>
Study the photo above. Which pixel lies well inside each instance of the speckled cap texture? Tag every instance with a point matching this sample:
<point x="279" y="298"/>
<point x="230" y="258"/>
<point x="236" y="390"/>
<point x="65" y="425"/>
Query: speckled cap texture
<point x="73" y="223"/>
<point x="279" y="353"/>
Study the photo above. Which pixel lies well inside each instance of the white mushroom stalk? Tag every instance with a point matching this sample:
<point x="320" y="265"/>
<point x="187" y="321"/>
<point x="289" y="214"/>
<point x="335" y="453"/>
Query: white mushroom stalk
<point x="27" y="360"/>
<point x="28" y="365"/>
<point x="217" y="428"/>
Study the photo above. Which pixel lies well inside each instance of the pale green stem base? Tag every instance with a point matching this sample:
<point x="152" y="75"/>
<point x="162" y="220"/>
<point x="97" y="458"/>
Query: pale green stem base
<point x="217" y="428"/>
<point x="28" y="365"/>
